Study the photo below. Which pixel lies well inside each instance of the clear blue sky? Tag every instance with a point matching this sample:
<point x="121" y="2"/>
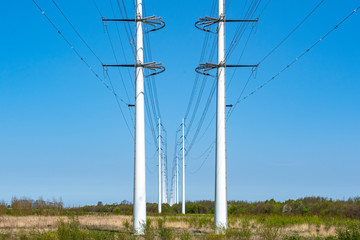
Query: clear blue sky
<point x="62" y="135"/>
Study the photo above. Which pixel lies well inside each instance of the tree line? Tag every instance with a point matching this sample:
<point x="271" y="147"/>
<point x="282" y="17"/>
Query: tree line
<point x="303" y="206"/>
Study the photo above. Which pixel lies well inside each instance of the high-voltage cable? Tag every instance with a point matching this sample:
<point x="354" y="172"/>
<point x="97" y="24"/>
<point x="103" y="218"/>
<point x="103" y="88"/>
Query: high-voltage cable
<point x="139" y="213"/>
<point x="240" y="99"/>
<point x="118" y="99"/>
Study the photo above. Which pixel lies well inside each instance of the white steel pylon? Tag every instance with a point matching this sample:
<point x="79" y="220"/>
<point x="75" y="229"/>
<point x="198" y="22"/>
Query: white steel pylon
<point x="221" y="218"/>
<point x="164" y="189"/>
<point x="183" y="168"/>
<point x="139" y="166"/>
<point x="177" y="179"/>
<point x="220" y="162"/>
<point x="159" y="203"/>
<point x="174" y="195"/>
<point x="154" y="23"/>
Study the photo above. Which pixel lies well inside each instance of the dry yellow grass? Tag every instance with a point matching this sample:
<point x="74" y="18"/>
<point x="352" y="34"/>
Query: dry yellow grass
<point x="40" y="222"/>
<point x="14" y="224"/>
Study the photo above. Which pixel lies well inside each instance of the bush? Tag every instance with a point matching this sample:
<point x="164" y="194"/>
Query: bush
<point x="164" y="233"/>
<point x="149" y="230"/>
<point x="269" y="232"/>
<point x="244" y="233"/>
<point x="245" y="229"/>
<point x="73" y="231"/>
<point x="351" y="231"/>
<point x="117" y="210"/>
<point x="185" y="236"/>
<point x="70" y="230"/>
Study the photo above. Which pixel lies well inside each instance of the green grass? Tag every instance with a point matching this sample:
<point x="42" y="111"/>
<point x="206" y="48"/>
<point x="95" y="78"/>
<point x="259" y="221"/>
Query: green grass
<point x="267" y="227"/>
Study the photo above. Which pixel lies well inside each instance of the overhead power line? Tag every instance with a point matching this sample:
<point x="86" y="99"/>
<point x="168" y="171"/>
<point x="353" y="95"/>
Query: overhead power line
<point x="292" y="31"/>
<point x="294" y="61"/>
<point x="239" y="33"/>
<point x="87" y="45"/>
<point x="205" y="159"/>
<point x="122" y="46"/>
<point x="130" y="35"/>
<point x="76" y="31"/>
<point x="240" y="98"/>
<point x="280" y="43"/>
<point x="131" y="112"/>
<point x="243" y="26"/>
<point x="276" y="47"/>
<point x="202" y="55"/>
<point x="118" y="99"/>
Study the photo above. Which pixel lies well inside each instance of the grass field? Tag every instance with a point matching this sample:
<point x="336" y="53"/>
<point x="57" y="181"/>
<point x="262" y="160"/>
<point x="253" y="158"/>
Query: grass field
<point x="305" y="218"/>
<point x="108" y="226"/>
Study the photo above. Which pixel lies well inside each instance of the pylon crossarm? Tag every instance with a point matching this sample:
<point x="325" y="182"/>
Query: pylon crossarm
<point x="204" y="23"/>
<point x="156" y="22"/>
<point x="246" y="66"/>
<point x="157" y="68"/>
<point x="203" y="68"/>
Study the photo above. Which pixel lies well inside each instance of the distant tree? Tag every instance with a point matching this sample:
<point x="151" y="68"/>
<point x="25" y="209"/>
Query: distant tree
<point x="2" y="208"/>
<point x="191" y="208"/>
<point x="22" y="206"/>
<point x="202" y="209"/>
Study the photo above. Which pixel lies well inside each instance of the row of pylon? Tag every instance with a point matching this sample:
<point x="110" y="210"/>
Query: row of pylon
<point x="157" y="23"/>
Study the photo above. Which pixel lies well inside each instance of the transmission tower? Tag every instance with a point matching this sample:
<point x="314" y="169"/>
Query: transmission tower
<point x="159" y="203"/>
<point x="164" y="180"/>
<point x="174" y="194"/>
<point x="167" y="174"/>
<point x="221" y="221"/>
<point x="139" y="216"/>
<point x="177" y="179"/>
<point x="183" y="167"/>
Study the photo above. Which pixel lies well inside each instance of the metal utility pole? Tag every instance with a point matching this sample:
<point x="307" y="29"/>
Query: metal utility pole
<point x="221" y="218"/>
<point x="159" y="205"/>
<point x="183" y="168"/>
<point x="220" y="162"/>
<point x="164" y="192"/>
<point x="177" y="178"/>
<point x="139" y="167"/>
<point x="154" y="23"/>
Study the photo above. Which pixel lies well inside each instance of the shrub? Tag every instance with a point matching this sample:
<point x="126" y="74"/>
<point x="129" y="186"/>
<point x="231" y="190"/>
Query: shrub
<point x="245" y="229"/>
<point x="4" y="236"/>
<point x="204" y="221"/>
<point x="117" y="210"/>
<point x="351" y="231"/>
<point x="185" y="236"/>
<point x="149" y="233"/>
<point x="70" y="230"/>
<point x="269" y="232"/>
<point x="244" y="233"/>
<point x="164" y="233"/>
